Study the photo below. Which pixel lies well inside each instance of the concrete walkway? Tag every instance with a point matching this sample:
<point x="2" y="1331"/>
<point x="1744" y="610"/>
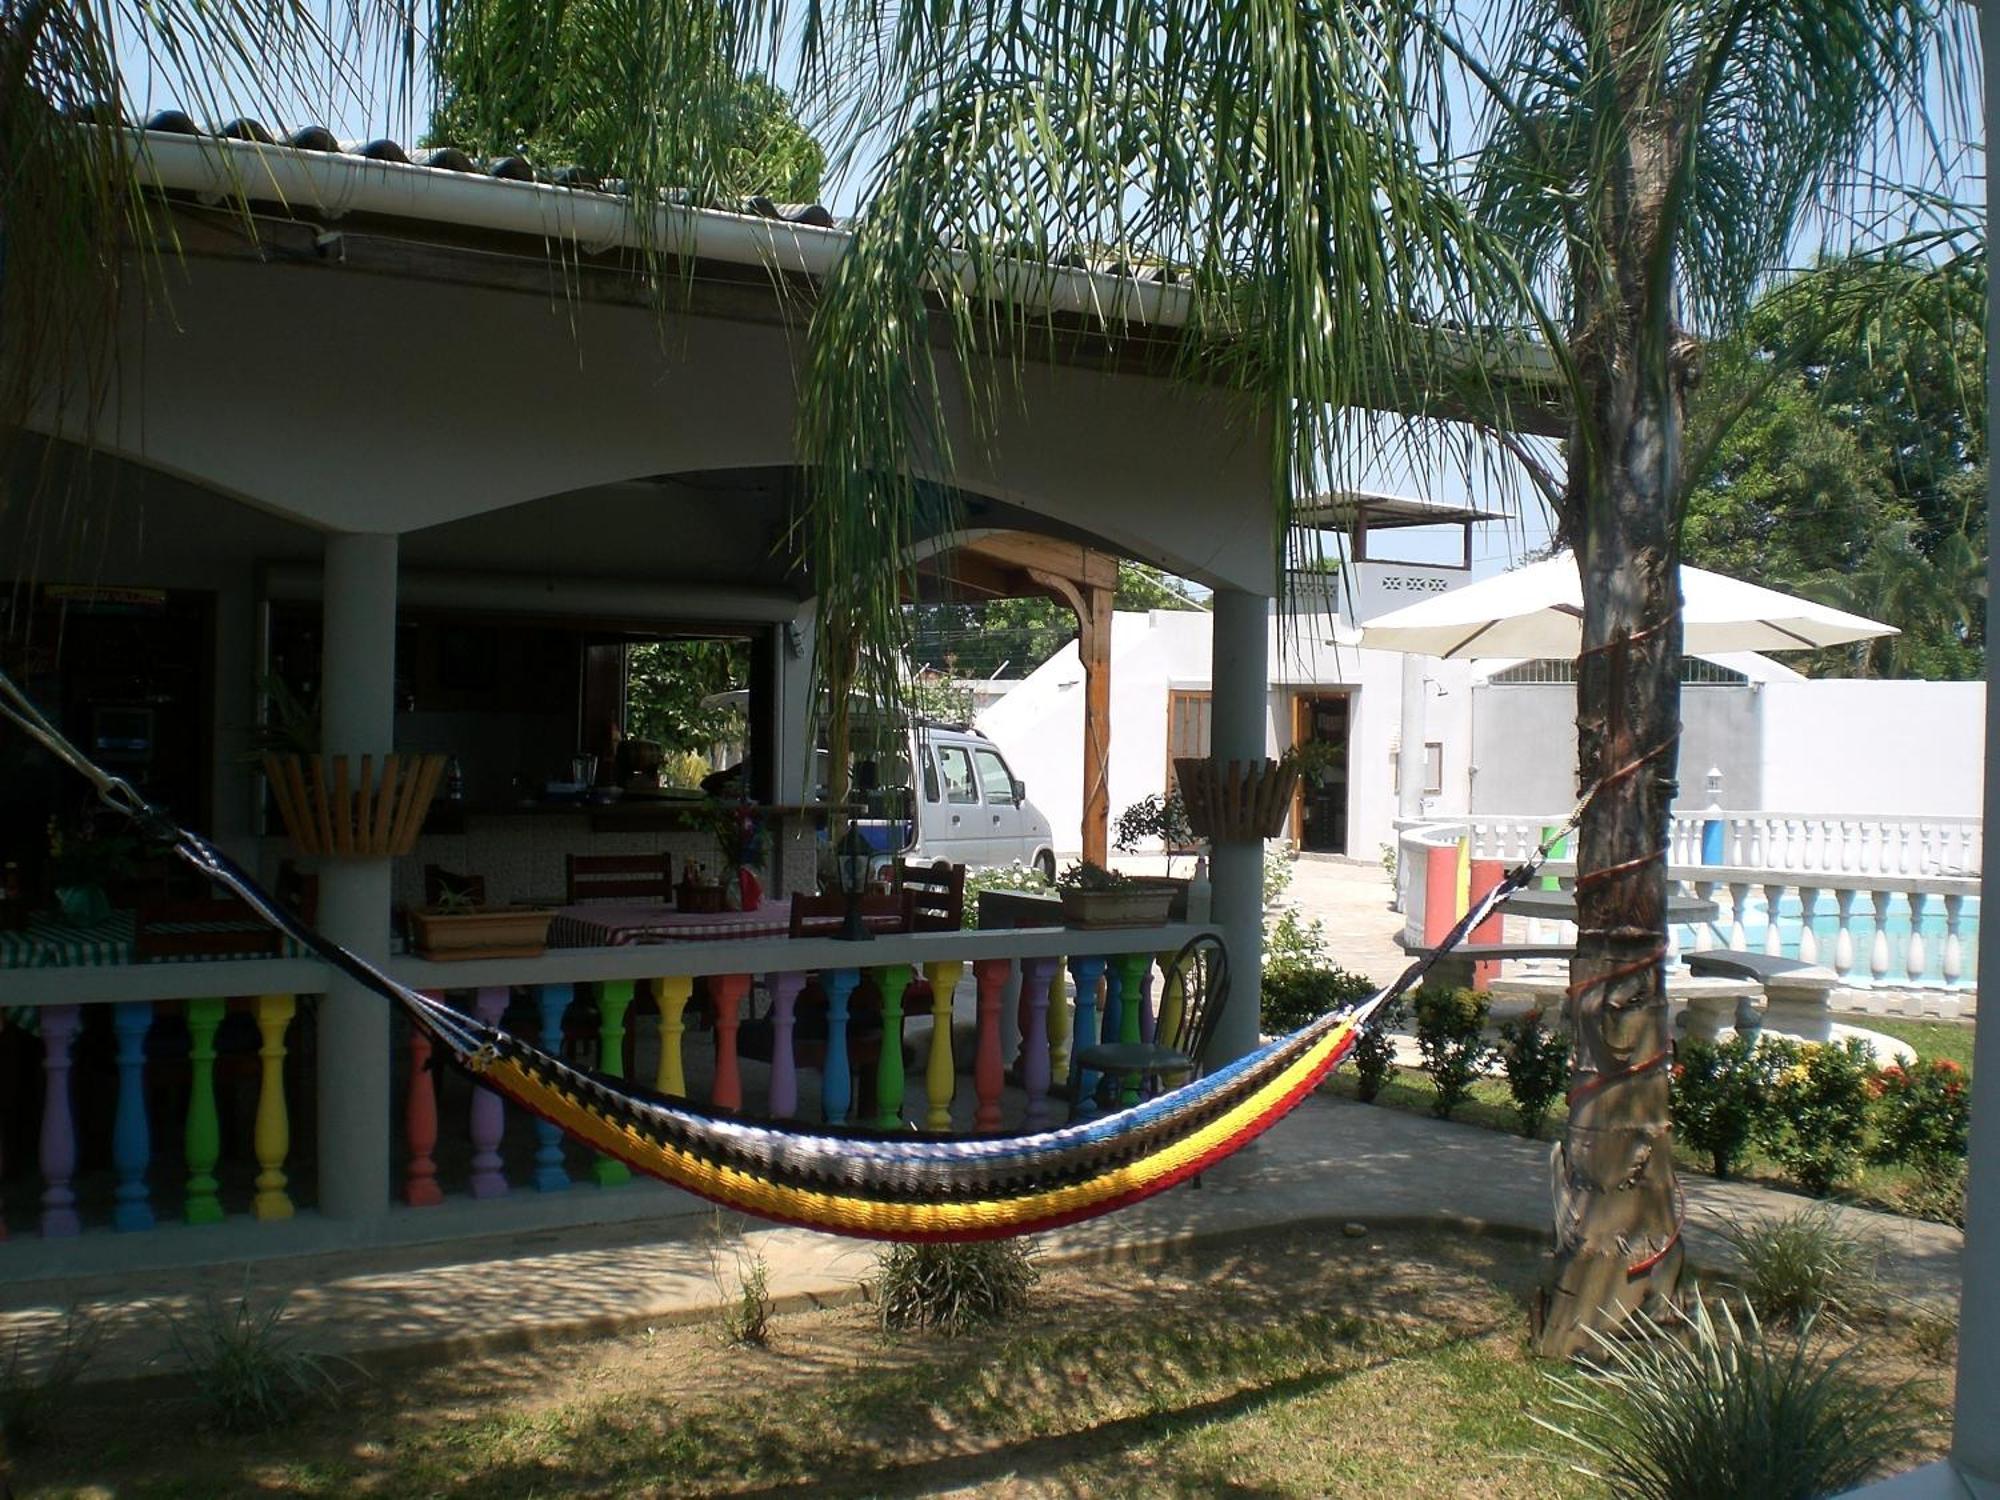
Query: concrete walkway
<point x="1332" y="1162"/>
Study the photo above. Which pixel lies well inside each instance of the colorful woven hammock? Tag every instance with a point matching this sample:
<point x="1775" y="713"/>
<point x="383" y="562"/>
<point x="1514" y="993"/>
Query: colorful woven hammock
<point x="843" y="1182"/>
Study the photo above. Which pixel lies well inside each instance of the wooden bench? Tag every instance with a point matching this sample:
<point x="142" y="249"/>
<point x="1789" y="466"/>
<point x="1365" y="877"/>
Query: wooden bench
<point x="1797" y="996"/>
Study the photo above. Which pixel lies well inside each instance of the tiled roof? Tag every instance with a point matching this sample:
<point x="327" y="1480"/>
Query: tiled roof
<point x="451" y="159"/>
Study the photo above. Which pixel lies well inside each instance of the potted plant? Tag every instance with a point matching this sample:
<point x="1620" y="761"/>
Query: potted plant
<point x="456" y="926"/>
<point x="1093" y="896"/>
<point x="1163" y="818"/>
<point x="1317" y="760"/>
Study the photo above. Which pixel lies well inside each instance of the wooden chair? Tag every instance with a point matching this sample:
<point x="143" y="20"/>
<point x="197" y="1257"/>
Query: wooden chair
<point x="937" y="895"/>
<point x="213" y="928"/>
<point x="825" y="915"/>
<point x="618" y="877"/>
<point x="1179" y="1048"/>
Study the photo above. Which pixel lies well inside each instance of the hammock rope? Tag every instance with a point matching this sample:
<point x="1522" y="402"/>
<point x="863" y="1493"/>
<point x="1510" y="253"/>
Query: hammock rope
<point x="852" y="1183"/>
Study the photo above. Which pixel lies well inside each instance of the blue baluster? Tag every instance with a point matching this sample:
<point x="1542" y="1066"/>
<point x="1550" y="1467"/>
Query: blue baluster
<point x="131" y="1141"/>
<point x="1085" y="972"/>
<point x="836" y="1088"/>
<point x="551" y="1176"/>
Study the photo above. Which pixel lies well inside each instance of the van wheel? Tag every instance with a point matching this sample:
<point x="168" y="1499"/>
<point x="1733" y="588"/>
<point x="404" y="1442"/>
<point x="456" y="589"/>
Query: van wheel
<point x="1046" y="863"/>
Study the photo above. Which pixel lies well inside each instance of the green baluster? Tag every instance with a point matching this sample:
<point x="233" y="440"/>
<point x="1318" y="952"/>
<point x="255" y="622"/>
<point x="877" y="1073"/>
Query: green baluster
<point x="204" y="1130"/>
<point x="891" y="980"/>
<point x="614" y="997"/>
<point x="1132" y="970"/>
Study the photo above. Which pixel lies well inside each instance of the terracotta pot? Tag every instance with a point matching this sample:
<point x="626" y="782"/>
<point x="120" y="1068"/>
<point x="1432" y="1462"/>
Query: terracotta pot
<point x="503" y="932"/>
<point x="1176" y="887"/>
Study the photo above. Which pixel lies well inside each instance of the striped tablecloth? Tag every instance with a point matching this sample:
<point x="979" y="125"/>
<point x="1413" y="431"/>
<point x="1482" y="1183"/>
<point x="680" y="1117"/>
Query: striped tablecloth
<point x="618" y="924"/>
<point x="50" y="943"/>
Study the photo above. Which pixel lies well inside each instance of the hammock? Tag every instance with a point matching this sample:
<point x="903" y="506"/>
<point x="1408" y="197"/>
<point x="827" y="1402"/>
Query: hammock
<point x="843" y="1182"/>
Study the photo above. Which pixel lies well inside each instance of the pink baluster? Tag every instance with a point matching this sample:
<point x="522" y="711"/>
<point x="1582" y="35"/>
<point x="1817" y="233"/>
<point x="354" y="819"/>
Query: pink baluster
<point x="988" y="1071"/>
<point x="784" y="1066"/>
<point x="489" y="1119"/>
<point x="1036" y="975"/>
<point x="420" y="1124"/>
<point x="725" y="998"/>
<point x="58" y="1152"/>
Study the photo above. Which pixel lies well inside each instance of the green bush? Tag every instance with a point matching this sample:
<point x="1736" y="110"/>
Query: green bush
<point x="1375" y="1051"/>
<point x="1016" y="877"/>
<point x="1536" y="1060"/>
<point x="1802" y="1266"/>
<point x="1922" y="1114"/>
<point x="1817" y="1120"/>
<point x="1292" y="997"/>
<point x="1721" y="1095"/>
<point x="953" y="1289"/>
<point x="1451" y="1034"/>
<point x="245" y="1368"/>
<point x="1731" y="1411"/>
<point x="38" y="1376"/>
<point x="1292" y="940"/>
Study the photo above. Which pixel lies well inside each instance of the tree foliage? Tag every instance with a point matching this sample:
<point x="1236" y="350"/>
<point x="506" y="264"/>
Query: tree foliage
<point x="1847" y="427"/>
<point x="667" y="688"/>
<point x="1012" y="637"/>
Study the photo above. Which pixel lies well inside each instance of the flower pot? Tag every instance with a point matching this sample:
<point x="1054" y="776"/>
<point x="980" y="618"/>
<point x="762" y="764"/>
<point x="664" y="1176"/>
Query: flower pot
<point x="331" y="808"/>
<point x="1176" y="887"/>
<point x="503" y="932"/>
<point x="1236" y="799"/>
<point x="1132" y="905"/>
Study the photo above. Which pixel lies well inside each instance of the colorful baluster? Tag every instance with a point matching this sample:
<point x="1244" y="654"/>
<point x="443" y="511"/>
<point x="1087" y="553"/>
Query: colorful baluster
<point x="1173" y="997"/>
<point x="273" y="1137"/>
<point x="203" y="1141"/>
<point x="1134" y="970"/>
<point x="552" y="1001"/>
<point x="891" y="980"/>
<point x="489" y="1118"/>
<point x="131" y="1140"/>
<point x="784" y="1061"/>
<point x="1878" y="950"/>
<point x="671" y="994"/>
<point x="614" y="998"/>
<point x="1085" y="974"/>
<point x="58" y="1146"/>
<point x="989" y="1071"/>
<point x="1037" y="977"/>
<point x="1147" y="1027"/>
<point x="836" y="1089"/>
<point x="940" y="1076"/>
<point x="725" y="998"/>
<point x="1112" y="1018"/>
<point x="1059" y="1022"/>
<point x="420" y="1124"/>
<point x="1915" y="957"/>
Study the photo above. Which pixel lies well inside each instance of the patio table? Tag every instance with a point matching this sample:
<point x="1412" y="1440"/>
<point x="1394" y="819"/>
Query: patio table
<point x="48" y="942"/>
<point x="619" y="924"/>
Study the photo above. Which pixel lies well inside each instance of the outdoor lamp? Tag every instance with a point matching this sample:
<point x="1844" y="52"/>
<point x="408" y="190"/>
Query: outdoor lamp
<point x="851" y="860"/>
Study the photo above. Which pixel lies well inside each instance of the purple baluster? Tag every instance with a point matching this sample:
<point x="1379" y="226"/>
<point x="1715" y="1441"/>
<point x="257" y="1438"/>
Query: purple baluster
<point x="58" y="1153"/>
<point x="489" y="1119"/>
<point x="131" y="1140"/>
<point x="1036" y="976"/>
<point x="785" y="989"/>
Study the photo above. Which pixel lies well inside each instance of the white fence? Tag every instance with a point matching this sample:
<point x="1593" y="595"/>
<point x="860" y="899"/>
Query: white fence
<point x="1801" y="843"/>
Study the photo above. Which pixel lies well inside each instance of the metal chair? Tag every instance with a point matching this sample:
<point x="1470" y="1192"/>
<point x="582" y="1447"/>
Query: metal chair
<point x="1180" y="1043"/>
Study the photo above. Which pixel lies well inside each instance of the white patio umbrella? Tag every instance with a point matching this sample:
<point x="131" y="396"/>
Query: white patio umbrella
<point x="1537" y="611"/>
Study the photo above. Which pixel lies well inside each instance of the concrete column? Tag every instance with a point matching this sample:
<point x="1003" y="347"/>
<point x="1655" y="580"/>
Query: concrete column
<point x="357" y="713"/>
<point x="1410" y="761"/>
<point x="1240" y="679"/>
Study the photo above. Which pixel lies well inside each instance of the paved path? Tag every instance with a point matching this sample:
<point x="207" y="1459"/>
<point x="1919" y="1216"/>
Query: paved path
<point x="1332" y="1162"/>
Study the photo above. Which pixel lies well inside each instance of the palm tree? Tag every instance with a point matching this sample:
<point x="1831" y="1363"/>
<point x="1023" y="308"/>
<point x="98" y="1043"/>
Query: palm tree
<point x="1294" y="176"/>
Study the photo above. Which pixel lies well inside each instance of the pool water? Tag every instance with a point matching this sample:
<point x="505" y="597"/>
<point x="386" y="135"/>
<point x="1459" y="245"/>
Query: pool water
<point x="1861" y="930"/>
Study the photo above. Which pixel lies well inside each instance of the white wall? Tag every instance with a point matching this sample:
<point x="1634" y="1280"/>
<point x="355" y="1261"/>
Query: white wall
<point x="1846" y="745"/>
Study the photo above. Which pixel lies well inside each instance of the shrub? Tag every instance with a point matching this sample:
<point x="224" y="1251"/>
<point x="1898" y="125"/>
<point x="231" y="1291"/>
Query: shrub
<point x="1451" y="1026"/>
<point x="1818" y="1112"/>
<point x="1537" y="1063"/>
<point x="1154" y="818"/>
<point x="1292" y="997"/>
<point x="1721" y="1094"/>
<point x="1802" y="1266"/>
<point x="1292" y="940"/>
<point x="1375" y="1051"/>
<point x="954" y="1289"/>
<point x="1014" y="877"/>
<point x="1731" y="1411"/>
<point x="1922" y="1113"/>
<point x="245" y="1368"/>
<point x="31" y="1397"/>
<point x="747" y="1320"/>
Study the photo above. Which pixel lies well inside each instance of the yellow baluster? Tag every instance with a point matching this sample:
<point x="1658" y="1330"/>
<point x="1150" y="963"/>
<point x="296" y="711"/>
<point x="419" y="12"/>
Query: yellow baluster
<point x="1173" y="1000"/>
<point x="671" y="995"/>
<point x="274" y="1128"/>
<point x="939" y="1076"/>
<point x="1059" y="1024"/>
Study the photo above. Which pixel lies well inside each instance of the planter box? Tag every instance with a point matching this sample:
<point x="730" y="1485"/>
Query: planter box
<point x="1129" y="906"/>
<point x="1176" y="887"/>
<point x="1236" y="799"/>
<point x="331" y="807"/>
<point x="505" y="932"/>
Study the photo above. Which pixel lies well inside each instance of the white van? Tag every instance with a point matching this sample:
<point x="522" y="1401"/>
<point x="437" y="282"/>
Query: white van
<point x="969" y="808"/>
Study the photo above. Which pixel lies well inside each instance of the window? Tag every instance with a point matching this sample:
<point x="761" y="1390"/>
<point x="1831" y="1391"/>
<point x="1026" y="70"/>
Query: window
<point x="1433" y="768"/>
<point x="956" y="768"/>
<point x="1188" y="722"/>
<point x="994" y="776"/>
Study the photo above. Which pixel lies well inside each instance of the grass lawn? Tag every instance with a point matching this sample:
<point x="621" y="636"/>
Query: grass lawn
<point x="1491" y="1107"/>
<point x="1305" y="1363"/>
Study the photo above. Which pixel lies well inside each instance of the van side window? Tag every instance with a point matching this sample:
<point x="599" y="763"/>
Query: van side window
<point x="995" y="778"/>
<point x="956" y="767"/>
<point x="931" y="792"/>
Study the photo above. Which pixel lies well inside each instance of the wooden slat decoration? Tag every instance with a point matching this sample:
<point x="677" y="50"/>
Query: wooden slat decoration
<point x="1236" y="799"/>
<point x="327" y="812"/>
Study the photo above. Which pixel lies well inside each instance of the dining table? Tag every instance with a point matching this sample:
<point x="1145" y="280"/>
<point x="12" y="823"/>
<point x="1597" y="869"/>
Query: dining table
<point x="49" y="941"/>
<point x="620" y="924"/>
